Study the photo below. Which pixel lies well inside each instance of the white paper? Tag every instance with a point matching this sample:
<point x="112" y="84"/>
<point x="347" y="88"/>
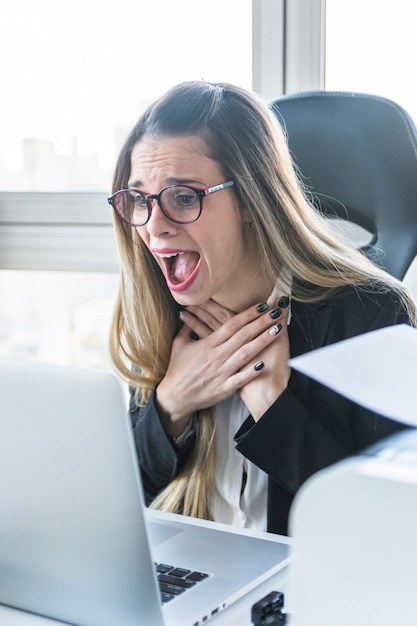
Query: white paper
<point x="377" y="370"/>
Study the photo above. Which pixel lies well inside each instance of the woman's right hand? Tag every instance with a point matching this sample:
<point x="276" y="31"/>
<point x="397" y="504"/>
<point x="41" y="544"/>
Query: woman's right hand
<point x="202" y="373"/>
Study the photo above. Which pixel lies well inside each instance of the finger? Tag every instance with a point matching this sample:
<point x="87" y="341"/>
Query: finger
<point x="196" y="328"/>
<point x="213" y="314"/>
<point x="272" y="360"/>
<point x="245" y="327"/>
<point x="246" y="374"/>
<point x="250" y="358"/>
<point x="219" y="311"/>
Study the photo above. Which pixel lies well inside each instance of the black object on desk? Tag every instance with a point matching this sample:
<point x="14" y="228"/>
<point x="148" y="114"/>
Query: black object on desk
<point x="268" y="610"/>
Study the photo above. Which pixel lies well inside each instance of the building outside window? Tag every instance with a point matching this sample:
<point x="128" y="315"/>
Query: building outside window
<point x="75" y="81"/>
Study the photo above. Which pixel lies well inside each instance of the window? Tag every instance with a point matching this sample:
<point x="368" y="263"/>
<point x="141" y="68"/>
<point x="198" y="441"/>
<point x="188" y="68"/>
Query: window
<point x="77" y="77"/>
<point x="60" y="317"/>
<point x="371" y="48"/>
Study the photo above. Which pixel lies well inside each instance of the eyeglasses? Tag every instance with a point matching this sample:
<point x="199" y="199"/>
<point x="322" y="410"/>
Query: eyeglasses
<point x="179" y="203"/>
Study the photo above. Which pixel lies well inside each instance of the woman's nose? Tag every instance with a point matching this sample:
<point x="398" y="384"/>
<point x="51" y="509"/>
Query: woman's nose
<point x="158" y="224"/>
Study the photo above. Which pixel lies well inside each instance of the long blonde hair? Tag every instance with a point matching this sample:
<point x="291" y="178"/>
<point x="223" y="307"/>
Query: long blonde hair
<point x="245" y="138"/>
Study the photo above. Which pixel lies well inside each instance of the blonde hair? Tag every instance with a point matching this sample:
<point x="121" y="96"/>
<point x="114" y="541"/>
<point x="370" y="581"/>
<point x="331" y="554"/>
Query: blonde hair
<point x="245" y="138"/>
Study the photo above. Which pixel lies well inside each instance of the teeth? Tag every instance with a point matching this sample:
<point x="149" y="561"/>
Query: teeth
<point x="168" y="255"/>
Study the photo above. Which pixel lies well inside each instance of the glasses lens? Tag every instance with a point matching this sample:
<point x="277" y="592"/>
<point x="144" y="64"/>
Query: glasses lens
<point x="131" y="207"/>
<point x="181" y="204"/>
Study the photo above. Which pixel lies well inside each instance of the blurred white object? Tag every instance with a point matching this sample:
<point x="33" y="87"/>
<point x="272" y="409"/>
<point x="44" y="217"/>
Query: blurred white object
<point x="355" y="549"/>
<point x="377" y="370"/>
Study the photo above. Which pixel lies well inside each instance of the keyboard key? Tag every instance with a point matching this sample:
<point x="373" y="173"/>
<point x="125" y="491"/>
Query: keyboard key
<point x="197" y="576"/>
<point x="174" y="580"/>
<point x="180" y="572"/>
<point x="171" y="589"/>
<point x="162" y="568"/>
<point x="166" y="597"/>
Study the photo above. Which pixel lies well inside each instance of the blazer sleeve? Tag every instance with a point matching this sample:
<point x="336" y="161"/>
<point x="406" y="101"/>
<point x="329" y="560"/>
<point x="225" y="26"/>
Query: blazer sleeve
<point x="160" y="459"/>
<point x="309" y="426"/>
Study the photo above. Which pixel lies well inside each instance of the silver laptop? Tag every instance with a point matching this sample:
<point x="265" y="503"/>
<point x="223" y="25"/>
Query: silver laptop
<point x="76" y="542"/>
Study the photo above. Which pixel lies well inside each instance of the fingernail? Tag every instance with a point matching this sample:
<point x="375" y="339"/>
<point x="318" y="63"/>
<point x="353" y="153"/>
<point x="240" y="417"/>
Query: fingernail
<point x="258" y="366"/>
<point x="284" y="302"/>
<point x="275" y="313"/>
<point x="182" y="316"/>
<point x="194" y="335"/>
<point x="275" y="330"/>
<point x="262" y="307"/>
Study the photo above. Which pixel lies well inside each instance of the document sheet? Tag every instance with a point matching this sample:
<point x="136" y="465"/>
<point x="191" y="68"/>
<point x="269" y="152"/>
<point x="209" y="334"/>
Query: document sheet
<point x="377" y="370"/>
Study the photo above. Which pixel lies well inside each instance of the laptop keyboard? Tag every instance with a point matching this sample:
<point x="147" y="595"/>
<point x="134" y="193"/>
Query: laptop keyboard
<point x="174" y="581"/>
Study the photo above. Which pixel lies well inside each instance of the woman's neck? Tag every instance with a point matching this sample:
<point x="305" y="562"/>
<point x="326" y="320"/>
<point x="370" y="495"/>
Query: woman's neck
<point x="255" y="291"/>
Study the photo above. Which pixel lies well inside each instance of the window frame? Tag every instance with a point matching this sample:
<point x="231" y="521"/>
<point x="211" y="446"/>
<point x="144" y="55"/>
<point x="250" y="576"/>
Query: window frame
<point x="57" y="231"/>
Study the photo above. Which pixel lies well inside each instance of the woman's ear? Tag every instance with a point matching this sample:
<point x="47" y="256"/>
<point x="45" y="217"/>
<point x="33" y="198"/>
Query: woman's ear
<point x="246" y="218"/>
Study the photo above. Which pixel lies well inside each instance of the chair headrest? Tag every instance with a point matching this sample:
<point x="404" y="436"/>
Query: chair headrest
<point x="357" y="153"/>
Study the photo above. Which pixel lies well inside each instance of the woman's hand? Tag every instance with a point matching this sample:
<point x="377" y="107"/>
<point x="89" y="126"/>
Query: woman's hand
<point x="262" y="391"/>
<point x="271" y="363"/>
<point x="233" y="353"/>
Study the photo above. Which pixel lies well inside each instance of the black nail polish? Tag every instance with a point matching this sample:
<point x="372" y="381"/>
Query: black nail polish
<point x="275" y="313"/>
<point x="194" y="335"/>
<point x="284" y="302"/>
<point x="261" y="308"/>
<point x="258" y="366"/>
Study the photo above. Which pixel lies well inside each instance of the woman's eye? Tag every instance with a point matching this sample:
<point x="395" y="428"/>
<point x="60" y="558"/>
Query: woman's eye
<point x="139" y="201"/>
<point x="185" y="199"/>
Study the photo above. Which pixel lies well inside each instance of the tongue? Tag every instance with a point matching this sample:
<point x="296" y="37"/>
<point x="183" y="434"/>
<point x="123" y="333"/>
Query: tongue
<point x="184" y="264"/>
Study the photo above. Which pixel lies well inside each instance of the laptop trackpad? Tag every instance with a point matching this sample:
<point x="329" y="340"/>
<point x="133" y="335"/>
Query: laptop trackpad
<point x="159" y="533"/>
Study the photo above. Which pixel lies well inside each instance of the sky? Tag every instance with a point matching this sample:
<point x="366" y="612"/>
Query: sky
<point x="371" y="46"/>
<point x="85" y="67"/>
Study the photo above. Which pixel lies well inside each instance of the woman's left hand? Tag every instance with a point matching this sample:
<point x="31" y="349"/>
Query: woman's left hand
<point x="261" y="392"/>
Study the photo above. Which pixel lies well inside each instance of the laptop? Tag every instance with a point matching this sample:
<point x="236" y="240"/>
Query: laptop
<point x="76" y="541"/>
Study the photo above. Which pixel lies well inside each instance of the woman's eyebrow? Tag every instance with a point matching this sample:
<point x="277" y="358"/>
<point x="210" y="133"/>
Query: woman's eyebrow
<point x="183" y="181"/>
<point x="170" y="180"/>
<point x="134" y="184"/>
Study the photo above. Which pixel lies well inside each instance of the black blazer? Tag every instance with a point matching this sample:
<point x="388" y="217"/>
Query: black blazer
<point x="307" y="428"/>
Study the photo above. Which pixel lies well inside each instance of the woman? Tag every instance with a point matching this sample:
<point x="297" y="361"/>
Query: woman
<point x="227" y="271"/>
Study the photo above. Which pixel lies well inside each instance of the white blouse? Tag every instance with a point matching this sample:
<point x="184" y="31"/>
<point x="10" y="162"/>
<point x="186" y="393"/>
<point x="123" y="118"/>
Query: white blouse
<point x="230" y="503"/>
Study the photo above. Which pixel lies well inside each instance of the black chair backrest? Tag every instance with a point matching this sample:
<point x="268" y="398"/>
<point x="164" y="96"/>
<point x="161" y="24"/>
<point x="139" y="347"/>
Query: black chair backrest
<point x="358" y="154"/>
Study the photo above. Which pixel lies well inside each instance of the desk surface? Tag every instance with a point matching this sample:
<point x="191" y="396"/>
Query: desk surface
<point x="236" y="615"/>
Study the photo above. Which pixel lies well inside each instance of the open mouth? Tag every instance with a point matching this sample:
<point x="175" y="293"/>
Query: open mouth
<point x="179" y="266"/>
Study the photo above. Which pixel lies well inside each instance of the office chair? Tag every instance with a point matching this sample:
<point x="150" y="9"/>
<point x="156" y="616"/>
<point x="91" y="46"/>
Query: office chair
<point x="357" y="154"/>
